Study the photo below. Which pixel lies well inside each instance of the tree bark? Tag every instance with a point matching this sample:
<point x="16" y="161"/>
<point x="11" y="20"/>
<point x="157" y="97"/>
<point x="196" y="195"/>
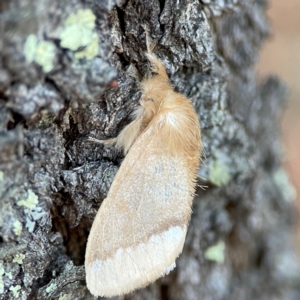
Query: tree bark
<point x="59" y="60"/>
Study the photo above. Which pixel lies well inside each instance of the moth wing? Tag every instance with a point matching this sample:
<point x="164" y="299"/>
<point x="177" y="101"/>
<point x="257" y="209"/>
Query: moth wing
<point x="140" y="228"/>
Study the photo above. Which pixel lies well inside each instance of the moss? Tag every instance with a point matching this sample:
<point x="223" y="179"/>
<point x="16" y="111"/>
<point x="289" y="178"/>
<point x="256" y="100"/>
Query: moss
<point x="42" y="52"/>
<point x="52" y="287"/>
<point x="19" y="259"/>
<point x="218" y="173"/>
<point x="15" y="290"/>
<point x="79" y="32"/>
<point x="216" y="253"/>
<point x="30" y="202"/>
<point x="17" y="228"/>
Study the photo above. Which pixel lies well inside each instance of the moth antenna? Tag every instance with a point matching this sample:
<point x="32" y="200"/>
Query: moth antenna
<point x="150" y="47"/>
<point x="156" y="64"/>
<point x="102" y="142"/>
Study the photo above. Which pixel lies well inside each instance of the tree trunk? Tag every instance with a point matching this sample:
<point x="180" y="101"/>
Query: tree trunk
<point x="59" y="62"/>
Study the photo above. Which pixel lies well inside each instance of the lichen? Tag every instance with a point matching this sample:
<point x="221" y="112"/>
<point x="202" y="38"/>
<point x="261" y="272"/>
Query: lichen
<point x="1" y="176"/>
<point x="30" y="47"/>
<point x="42" y="52"/>
<point x="45" y="54"/>
<point x="17" y="228"/>
<point x="30" y="202"/>
<point x="79" y="32"/>
<point x="91" y="50"/>
<point x="218" y="173"/>
<point x="216" y="253"/>
<point x="15" y="290"/>
<point x="281" y="179"/>
<point x="29" y="224"/>
<point x="52" y="287"/>
<point x="19" y="258"/>
<point x="33" y="215"/>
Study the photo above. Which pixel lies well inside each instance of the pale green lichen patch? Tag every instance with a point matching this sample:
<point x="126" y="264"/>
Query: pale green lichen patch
<point x="30" y="202"/>
<point x="90" y="51"/>
<point x="42" y="52"/>
<point x="17" y="228"/>
<point x="79" y="32"/>
<point x="19" y="258"/>
<point x="218" y="173"/>
<point x="9" y="275"/>
<point x="216" y="253"/>
<point x="281" y="179"/>
<point x="66" y="297"/>
<point x="15" y="290"/>
<point x="52" y="287"/>
<point x="45" y="54"/>
<point x="30" y="47"/>
<point x="1" y="176"/>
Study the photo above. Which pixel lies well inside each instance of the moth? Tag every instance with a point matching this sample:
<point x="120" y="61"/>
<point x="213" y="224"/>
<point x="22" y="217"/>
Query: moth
<point x="141" y="226"/>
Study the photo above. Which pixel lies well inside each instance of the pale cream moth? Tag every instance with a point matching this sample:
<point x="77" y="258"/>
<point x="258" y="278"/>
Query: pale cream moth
<point x="141" y="226"/>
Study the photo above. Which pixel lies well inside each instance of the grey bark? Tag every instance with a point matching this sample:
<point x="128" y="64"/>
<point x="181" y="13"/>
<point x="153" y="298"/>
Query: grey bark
<point x="53" y="96"/>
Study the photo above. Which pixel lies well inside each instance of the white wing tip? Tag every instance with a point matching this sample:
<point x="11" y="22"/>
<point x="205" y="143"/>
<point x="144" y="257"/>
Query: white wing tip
<point x="130" y="269"/>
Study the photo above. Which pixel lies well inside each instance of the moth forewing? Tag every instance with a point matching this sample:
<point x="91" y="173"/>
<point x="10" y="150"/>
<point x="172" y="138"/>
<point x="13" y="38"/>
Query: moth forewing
<point x="140" y="228"/>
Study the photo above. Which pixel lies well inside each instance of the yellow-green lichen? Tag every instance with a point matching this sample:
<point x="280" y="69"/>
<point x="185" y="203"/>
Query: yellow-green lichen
<point x="90" y="51"/>
<point x="15" y="290"/>
<point x="52" y="287"/>
<point x="45" y="54"/>
<point x="218" y="173"/>
<point x="17" y="228"/>
<point x="9" y="275"/>
<point x="79" y="32"/>
<point x="42" y="52"/>
<point x="216" y="253"/>
<point x="19" y="259"/>
<point x="1" y="175"/>
<point x="30" y="202"/>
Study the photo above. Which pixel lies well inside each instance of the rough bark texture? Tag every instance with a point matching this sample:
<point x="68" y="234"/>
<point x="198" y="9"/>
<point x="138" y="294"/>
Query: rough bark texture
<point x="58" y="60"/>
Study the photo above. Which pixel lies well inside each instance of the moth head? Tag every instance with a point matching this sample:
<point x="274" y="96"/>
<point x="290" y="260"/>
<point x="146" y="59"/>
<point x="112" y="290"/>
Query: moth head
<point x="154" y="90"/>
